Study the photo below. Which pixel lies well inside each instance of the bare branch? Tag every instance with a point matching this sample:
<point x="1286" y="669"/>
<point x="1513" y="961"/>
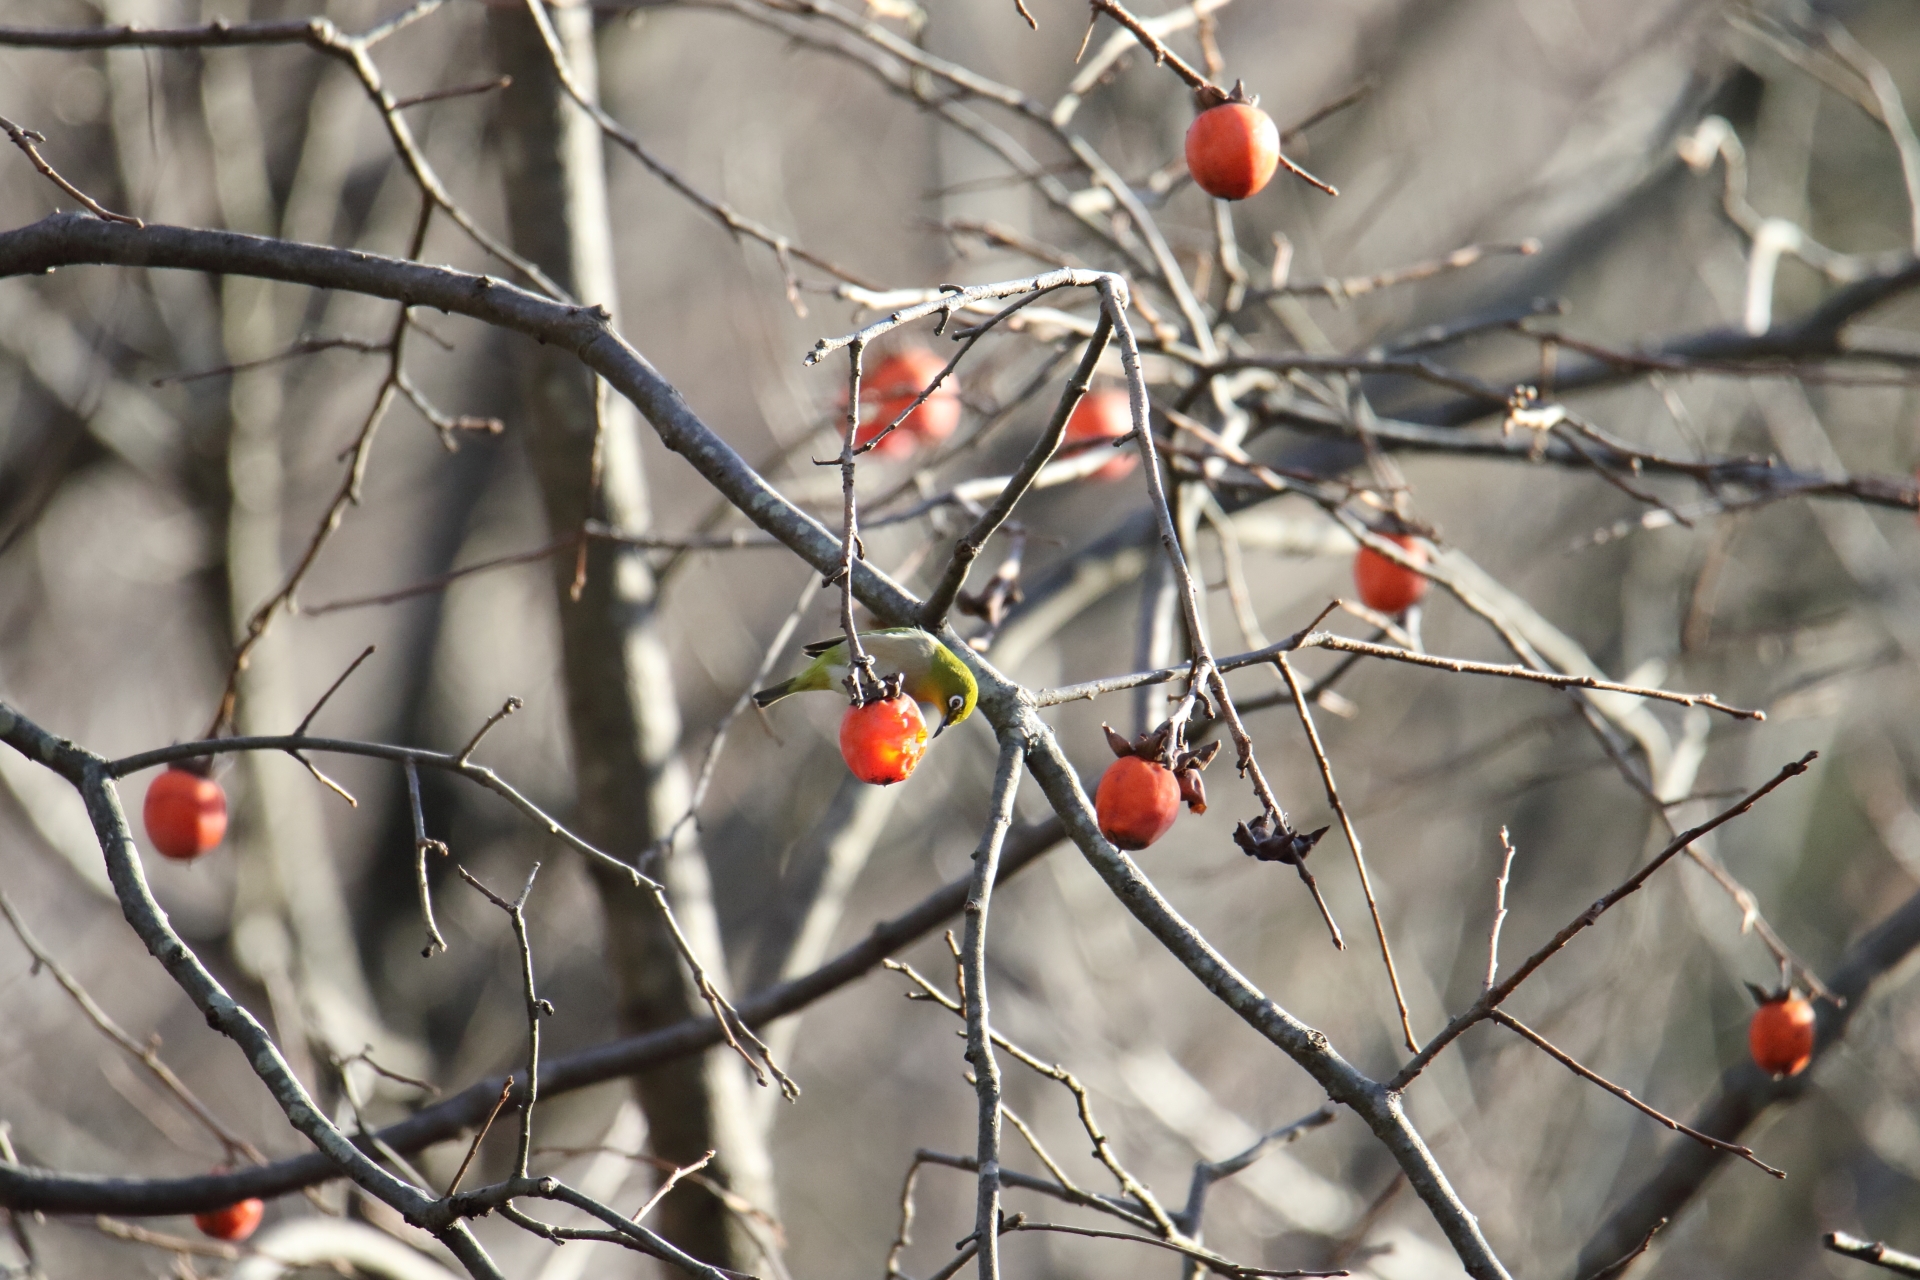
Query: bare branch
<point x="473" y="1148"/>
<point x="1873" y="1251"/>
<point x="1499" y="912"/>
<point x="1546" y="1046"/>
<point x="1491" y="999"/>
<point x="26" y="140"/>
<point x="507" y="708"/>
<point x="147" y="1055"/>
<point x="973" y="967"/>
<point x="1353" y="842"/>
<point x="300" y="730"/>
<point x="422" y="845"/>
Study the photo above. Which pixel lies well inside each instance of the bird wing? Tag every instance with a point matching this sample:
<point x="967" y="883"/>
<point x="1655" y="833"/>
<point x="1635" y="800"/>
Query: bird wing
<point x="819" y="647"/>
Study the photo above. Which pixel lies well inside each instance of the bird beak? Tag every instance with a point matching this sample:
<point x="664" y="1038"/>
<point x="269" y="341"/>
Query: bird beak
<point x="943" y="727"/>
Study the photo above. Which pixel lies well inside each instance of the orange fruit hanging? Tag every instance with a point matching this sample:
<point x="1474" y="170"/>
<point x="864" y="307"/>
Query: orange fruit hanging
<point x="185" y="813"/>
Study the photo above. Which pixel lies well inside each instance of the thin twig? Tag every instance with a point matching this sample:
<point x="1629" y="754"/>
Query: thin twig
<point x="506" y="1092"/>
<point x="1206" y="1173"/>
<point x="940" y="599"/>
<point x="1873" y="1251"/>
<point x="733" y="221"/>
<point x="1345" y="287"/>
<point x="147" y="1055"/>
<point x="304" y="346"/>
<point x="1547" y="1047"/>
<point x="1326" y="640"/>
<point x="423" y="845"/>
<point x="536" y="1007"/>
<point x="300" y="730"/>
<point x="1353" y="842"/>
<point x="457" y="91"/>
<point x="1102" y="1146"/>
<point x="709" y="763"/>
<point x="1499" y="912"/>
<point x="25" y="139"/>
<point x="591" y="530"/>
<point x="1491" y="999"/>
<point x="671" y="1181"/>
<point x="1613" y="1270"/>
<point x="507" y="708"/>
<point x="1213" y="1261"/>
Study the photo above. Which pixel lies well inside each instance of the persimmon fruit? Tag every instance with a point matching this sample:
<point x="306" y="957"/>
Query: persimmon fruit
<point x="185" y="813"/>
<point x="1385" y="586"/>
<point x="234" y="1223"/>
<point x="1136" y="802"/>
<point x="1233" y="150"/>
<point x="1780" y="1036"/>
<point x="894" y="384"/>
<point x="882" y="742"/>
<point x="1100" y="417"/>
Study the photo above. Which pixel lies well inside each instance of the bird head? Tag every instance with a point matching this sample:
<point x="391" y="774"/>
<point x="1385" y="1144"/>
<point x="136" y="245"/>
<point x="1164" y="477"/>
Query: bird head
<point x="952" y="688"/>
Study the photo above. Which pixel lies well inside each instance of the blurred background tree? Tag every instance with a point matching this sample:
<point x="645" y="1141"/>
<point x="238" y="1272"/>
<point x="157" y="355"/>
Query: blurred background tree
<point x="1626" y="176"/>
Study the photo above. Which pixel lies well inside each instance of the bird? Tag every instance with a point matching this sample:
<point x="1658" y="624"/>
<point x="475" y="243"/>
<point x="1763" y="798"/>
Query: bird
<point x="933" y="677"/>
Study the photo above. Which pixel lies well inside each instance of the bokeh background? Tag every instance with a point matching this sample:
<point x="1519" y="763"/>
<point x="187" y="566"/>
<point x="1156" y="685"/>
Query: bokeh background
<point x="142" y="518"/>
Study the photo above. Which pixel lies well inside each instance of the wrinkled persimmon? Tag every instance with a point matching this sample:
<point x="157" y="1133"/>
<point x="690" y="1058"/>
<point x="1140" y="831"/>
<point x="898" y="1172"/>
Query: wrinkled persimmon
<point x="1136" y="802"/>
<point x="1232" y="150"/>
<point x="1385" y="586"/>
<point x="1099" y="418"/>
<point x="882" y="742"/>
<point x="891" y="386"/>
<point x="234" y="1223"/>
<point x="185" y="813"/>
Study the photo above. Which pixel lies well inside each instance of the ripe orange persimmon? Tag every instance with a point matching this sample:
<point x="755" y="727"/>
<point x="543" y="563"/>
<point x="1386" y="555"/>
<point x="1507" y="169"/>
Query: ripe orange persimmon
<point x="235" y="1222"/>
<point x="891" y="386"/>
<point x="1386" y="586"/>
<point x="1102" y="416"/>
<point x="185" y="813"/>
<point x="883" y="741"/>
<point x="1232" y="150"/>
<point x="1137" y="802"/>
<point x="1781" y="1035"/>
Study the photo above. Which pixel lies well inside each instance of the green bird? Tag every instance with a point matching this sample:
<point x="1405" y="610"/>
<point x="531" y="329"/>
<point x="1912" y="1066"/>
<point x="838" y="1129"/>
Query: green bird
<point x="934" y="678"/>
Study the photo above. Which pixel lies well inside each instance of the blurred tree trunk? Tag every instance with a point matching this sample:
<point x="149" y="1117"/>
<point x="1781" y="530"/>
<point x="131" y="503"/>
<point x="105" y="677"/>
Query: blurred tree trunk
<point x="292" y="924"/>
<point x="621" y="704"/>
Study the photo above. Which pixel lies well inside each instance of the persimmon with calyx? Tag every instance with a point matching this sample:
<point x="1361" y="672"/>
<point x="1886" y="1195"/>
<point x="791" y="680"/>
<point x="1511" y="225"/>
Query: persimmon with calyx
<point x="891" y="386"/>
<point x="185" y="812"/>
<point x="1100" y="418"/>
<point x="882" y="741"/>
<point x="1233" y="148"/>
<point x="1140" y="794"/>
<point x="1385" y="586"/>
<point x="234" y="1223"/>
<point x="1780" y="1036"/>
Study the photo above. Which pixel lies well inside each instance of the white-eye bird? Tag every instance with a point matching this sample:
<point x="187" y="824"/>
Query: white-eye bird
<point x="932" y="676"/>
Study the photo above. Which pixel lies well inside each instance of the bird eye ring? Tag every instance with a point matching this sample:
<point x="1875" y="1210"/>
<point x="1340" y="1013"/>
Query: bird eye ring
<point x="956" y="702"/>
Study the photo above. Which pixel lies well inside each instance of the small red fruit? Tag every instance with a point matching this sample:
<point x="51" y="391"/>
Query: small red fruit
<point x="883" y="741"/>
<point x="1137" y="802"/>
<point x="185" y="813"/>
<point x="1386" y="586"/>
<point x="894" y="384"/>
<point x="1781" y="1035"/>
<point x="1232" y="150"/>
<point x="235" y="1222"/>
<point x="1102" y="416"/>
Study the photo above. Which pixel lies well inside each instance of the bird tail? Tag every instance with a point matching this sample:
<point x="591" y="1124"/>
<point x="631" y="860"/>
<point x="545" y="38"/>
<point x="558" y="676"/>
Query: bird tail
<point x="773" y="693"/>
